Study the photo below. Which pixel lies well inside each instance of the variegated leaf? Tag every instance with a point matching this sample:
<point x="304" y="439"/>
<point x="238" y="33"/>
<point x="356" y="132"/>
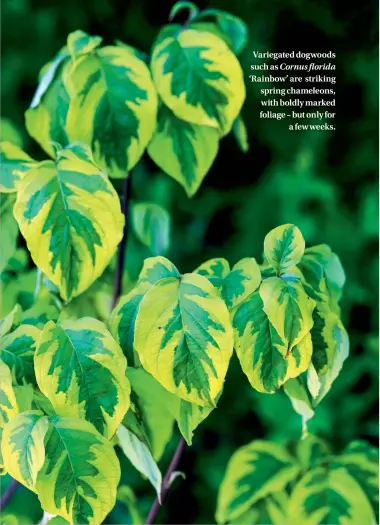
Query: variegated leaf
<point x="184" y="337"/>
<point x="260" y="350"/>
<point x="23" y="446"/>
<point x="271" y="509"/>
<point x="69" y="214"/>
<point x="307" y="391"/>
<point x="46" y="118"/>
<point x="242" y="281"/>
<point x="42" y="311"/>
<point x="123" y="318"/>
<point x="327" y="496"/>
<point x="17" y="350"/>
<point x="8" y="401"/>
<point x="183" y="150"/>
<point x="233" y="27"/>
<point x="198" y="77"/>
<point x="79" y="43"/>
<point x="311" y="451"/>
<point x="215" y="270"/>
<point x="113" y="106"/>
<point x="80" y="474"/>
<point x="289" y="309"/>
<point x="342" y="349"/>
<point x="14" y="163"/>
<point x="300" y="357"/>
<point x="314" y="279"/>
<point x="324" y="273"/>
<point x="284" y="247"/>
<point x="82" y="371"/>
<point x="254" y="472"/>
<point x="189" y="417"/>
<point x="156" y="268"/>
<point x="213" y="28"/>
<point x="361" y="461"/>
<point x="8" y="405"/>
<point x="322" y="334"/>
<point x="24" y="396"/>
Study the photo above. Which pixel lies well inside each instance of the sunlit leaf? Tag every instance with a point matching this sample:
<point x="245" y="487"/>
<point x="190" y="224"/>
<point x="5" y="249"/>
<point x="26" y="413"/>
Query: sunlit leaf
<point x="289" y="309"/>
<point x="184" y="337"/>
<point x="82" y="371"/>
<point x="260" y="350"/>
<point x="80" y="474"/>
<point x="23" y="446"/>
<point x="242" y="281"/>
<point x="113" y="106"/>
<point x="70" y="216"/>
<point x="183" y="150"/>
<point x="215" y="270"/>
<point x="198" y="78"/>
<point x="46" y="118"/>
<point x="284" y="247"/>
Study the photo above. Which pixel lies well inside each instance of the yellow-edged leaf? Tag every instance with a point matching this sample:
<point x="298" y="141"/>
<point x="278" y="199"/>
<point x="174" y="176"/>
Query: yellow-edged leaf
<point x="82" y="371"/>
<point x="184" y="338"/>
<point x="23" y="446"/>
<point x="80" y="474"/>
<point x="289" y="309"/>
<point x="183" y="150"/>
<point x="198" y="77"/>
<point x="113" y="106"/>
<point x="69" y="214"/>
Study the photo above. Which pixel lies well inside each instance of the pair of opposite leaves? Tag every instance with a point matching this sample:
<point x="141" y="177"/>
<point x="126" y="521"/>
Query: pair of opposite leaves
<point x="62" y="448"/>
<point x="180" y="326"/>
<point x="106" y="98"/>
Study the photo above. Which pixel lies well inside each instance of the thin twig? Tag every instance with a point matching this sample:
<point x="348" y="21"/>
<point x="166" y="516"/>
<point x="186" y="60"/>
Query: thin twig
<point x="7" y="496"/>
<point x="166" y="482"/>
<point x="118" y="283"/>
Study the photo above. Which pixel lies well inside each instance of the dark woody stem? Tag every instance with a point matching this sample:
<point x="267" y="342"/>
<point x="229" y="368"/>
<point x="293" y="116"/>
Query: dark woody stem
<point x="166" y="482"/>
<point x="7" y="496"/>
<point x="118" y="283"/>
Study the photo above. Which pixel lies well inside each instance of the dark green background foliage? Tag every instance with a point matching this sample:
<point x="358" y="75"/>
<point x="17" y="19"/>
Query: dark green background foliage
<point x="324" y="182"/>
